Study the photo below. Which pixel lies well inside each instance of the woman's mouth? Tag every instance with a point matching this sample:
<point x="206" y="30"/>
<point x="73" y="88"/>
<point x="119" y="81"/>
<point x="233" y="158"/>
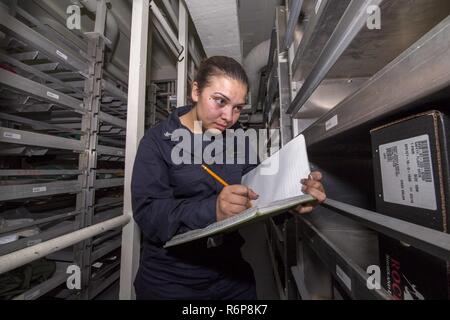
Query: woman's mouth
<point x="220" y="126"/>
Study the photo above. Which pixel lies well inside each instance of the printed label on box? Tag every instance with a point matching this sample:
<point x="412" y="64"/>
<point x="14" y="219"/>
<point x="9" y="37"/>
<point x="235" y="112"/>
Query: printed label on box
<point x="12" y="135"/>
<point x="52" y="95"/>
<point x="344" y="277"/>
<point x="330" y="124"/>
<point x="39" y="189"/>
<point x="407" y="173"/>
<point x="62" y="55"/>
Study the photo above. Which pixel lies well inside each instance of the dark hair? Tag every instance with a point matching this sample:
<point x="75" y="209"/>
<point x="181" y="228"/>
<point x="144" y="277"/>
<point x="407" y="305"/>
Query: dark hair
<point x="220" y="66"/>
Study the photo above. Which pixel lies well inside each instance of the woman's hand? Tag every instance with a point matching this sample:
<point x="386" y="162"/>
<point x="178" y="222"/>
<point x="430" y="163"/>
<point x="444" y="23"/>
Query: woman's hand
<point x="313" y="187"/>
<point x="233" y="200"/>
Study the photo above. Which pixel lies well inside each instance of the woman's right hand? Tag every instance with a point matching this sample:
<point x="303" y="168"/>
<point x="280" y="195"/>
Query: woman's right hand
<point x="233" y="200"/>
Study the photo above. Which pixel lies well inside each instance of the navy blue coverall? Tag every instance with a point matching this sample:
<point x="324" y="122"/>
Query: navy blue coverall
<point x="169" y="199"/>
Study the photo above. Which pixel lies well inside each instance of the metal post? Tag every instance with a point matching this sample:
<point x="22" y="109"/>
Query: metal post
<point x="100" y="19"/>
<point x="172" y="16"/>
<point x="152" y="95"/>
<point x="135" y="124"/>
<point x="183" y="38"/>
<point x="88" y="159"/>
<point x="90" y="124"/>
<point x="283" y="77"/>
<point x="157" y="14"/>
<point x="295" y="122"/>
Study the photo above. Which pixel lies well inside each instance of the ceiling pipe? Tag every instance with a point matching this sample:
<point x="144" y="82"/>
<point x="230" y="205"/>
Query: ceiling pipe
<point x="255" y="60"/>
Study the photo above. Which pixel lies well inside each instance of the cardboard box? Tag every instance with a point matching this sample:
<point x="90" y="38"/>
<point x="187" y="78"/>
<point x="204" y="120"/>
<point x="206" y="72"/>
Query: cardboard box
<point x="411" y="174"/>
<point x="411" y="169"/>
<point x="410" y="274"/>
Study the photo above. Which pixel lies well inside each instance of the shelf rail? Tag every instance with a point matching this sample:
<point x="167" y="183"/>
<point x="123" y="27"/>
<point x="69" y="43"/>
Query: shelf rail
<point x="19" y="258"/>
<point x="429" y="240"/>
<point x="354" y="19"/>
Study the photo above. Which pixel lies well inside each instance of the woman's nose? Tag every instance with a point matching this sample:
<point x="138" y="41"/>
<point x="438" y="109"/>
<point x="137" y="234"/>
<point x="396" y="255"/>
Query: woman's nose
<point x="227" y="113"/>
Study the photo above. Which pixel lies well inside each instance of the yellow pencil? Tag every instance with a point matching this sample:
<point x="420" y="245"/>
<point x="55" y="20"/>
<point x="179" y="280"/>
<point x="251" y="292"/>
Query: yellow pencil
<point x="219" y="179"/>
<point x="215" y="176"/>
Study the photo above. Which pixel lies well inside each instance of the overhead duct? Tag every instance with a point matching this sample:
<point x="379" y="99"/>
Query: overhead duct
<point x="218" y="27"/>
<point x="255" y="60"/>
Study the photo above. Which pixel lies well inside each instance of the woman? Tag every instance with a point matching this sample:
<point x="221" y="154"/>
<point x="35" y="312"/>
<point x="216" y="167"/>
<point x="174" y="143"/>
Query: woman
<point x="170" y="198"/>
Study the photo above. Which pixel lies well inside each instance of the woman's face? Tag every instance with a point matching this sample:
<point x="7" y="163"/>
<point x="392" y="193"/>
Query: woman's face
<point x="220" y="103"/>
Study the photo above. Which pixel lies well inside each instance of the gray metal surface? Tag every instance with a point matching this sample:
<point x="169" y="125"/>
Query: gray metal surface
<point x="351" y="276"/>
<point x="402" y="24"/>
<point x="298" y="272"/>
<point x="58" y="278"/>
<point x="58" y="230"/>
<point x="106" y="236"/>
<point x="104" y="150"/>
<point x="29" y="87"/>
<point x="426" y="64"/>
<point x="294" y="14"/>
<point x="14" y="192"/>
<point x="108" y="183"/>
<point x="275" y="271"/>
<point x="263" y="96"/>
<point x="351" y="23"/>
<point x="40" y="43"/>
<point x="95" y="290"/>
<point x="110" y="88"/>
<point x="109" y="213"/>
<point x="88" y="159"/>
<point x="329" y="94"/>
<point x="48" y="74"/>
<point x="57" y="217"/>
<point x="322" y="19"/>
<point x="11" y="173"/>
<point x="34" y="71"/>
<point x="20" y="137"/>
<point x="166" y="29"/>
<point x="105" y="248"/>
<point x="112" y="120"/>
<point x="429" y="240"/>
<point x="38" y="124"/>
<point x="283" y="78"/>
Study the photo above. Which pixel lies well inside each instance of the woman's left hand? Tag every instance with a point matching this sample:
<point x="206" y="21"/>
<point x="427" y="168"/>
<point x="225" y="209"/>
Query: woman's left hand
<point x="312" y="186"/>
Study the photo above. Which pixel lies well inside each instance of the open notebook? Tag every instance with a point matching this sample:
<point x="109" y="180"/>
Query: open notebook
<point x="276" y="180"/>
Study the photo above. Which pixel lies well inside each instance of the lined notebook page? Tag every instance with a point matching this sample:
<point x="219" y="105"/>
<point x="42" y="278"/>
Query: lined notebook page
<point x="278" y="177"/>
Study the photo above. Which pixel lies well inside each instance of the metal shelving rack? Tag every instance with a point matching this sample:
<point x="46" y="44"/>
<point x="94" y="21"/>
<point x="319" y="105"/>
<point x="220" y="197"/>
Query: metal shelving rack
<point x="60" y="105"/>
<point x="56" y="102"/>
<point x="332" y="79"/>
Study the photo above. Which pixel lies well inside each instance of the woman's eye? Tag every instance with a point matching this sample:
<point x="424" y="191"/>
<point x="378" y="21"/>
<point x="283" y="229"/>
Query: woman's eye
<point x="219" y="101"/>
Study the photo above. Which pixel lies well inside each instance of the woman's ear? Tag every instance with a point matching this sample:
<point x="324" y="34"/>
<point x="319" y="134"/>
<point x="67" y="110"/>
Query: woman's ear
<point x="195" y="94"/>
